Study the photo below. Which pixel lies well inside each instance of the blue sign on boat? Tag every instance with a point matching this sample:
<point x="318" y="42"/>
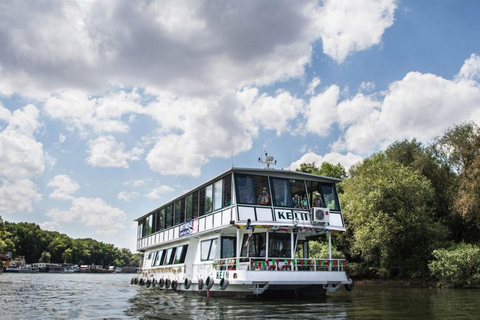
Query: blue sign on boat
<point x="189" y="227"/>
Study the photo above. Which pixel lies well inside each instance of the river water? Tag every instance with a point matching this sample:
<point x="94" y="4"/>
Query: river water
<point x="111" y="296"/>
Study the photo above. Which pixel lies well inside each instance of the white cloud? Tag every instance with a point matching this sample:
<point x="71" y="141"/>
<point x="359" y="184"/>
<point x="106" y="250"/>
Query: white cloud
<point x="50" y="226"/>
<point x="21" y="156"/>
<point x="64" y="187"/>
<point x="470" y="69"/>
<point x="93" y="213"/>
<point x="135" y="183"/>
<point x="346" y="160"/>
<point x="127" y="196"/>
<point x="105" y="151"/>
<point x="349" y="26"/>
<point x="419" y="106"/>
<point x="157" y="192"/>
<point x="18" y="196"/>
<point x="321" y="111"/>
<point x="311" y="87"/>
<point x="100" y="114"/>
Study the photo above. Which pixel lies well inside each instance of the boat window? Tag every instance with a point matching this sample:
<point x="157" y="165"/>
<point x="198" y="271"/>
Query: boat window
<point x="329" y="195"/>
<point x="281" y="192"/>
<point x="208" y="249"/>
<point x="218" y="193"/>
<point x="279" y="245"/>
<point x="161" y="219"/>
<point x="178" y="212"/>
<point x="170" y="256"/>
<point x="154" y="257"/>
<point x="202" y="202"/>
<point x="249" y="188"/>
<point x="208" y="198"/>
<point x="252" y="245"/>
<point x="189" y="207"/>
<point x="298" y="188"/>
<point x="169" y="215"/>
<point x="227" y="191"/>
<point x="195" y="204"/>
<point x="159" y="258"/>
<point x="147" y="227"/>
<point x="228" y="247"/>
<point x="180" y="254"/>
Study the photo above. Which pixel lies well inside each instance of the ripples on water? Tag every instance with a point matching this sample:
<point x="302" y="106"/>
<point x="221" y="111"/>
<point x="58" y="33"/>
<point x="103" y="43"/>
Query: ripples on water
<point x="110" y="296"/>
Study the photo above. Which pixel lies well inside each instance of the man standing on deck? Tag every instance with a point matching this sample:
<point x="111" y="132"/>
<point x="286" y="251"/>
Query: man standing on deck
<point x="317" y="201"/>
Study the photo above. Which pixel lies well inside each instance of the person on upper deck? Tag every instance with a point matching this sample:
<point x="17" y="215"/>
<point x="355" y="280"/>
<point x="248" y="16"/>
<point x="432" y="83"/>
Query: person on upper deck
<point x="317" y="201"/>
<point x="304" y="202"/>
<point x="264" y="197"/>
<point x="296" y="201"/>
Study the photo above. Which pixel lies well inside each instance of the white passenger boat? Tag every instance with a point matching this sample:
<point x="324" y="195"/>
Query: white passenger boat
<point x="244" y="233"/>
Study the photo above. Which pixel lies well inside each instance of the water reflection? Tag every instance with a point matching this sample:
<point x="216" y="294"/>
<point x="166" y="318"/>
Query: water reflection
<point x="85" y="296"/>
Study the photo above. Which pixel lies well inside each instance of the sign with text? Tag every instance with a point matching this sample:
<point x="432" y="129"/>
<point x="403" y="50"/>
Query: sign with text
<point x="189" y="227"/>
<point x="289" y="215"/>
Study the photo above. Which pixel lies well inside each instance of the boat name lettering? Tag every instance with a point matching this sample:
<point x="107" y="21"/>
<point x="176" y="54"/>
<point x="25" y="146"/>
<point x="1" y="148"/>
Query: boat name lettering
<point x="222" y="274"/>
<point x="289" y="215"/>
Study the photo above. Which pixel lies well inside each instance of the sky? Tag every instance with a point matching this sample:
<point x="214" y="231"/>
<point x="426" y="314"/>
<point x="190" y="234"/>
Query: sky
<point x="109" y="109"/>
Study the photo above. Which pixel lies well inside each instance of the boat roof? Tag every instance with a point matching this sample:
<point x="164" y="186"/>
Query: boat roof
<point x="279" y="173"/>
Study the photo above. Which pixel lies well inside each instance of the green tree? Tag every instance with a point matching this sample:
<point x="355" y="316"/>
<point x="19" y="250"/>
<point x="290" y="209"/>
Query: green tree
<point x="459" y="148"/>
<point x="387" y="211"/>
<point x="326" y="169"/>
<point x="46" y="257"/>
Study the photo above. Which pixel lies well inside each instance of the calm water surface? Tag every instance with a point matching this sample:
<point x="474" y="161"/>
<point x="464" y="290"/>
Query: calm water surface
<point x="110" y="296"/>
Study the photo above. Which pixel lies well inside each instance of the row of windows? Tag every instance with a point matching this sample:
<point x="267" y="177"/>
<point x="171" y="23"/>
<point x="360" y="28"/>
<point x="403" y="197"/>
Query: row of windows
<point x="261" y="190"/>
<point x="168" y="256"/>
<point x="250" y="189"/>
<point x="196" y="204"/>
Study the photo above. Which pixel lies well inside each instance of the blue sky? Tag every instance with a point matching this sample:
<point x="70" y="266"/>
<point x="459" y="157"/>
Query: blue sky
<point x="108" y="109"/>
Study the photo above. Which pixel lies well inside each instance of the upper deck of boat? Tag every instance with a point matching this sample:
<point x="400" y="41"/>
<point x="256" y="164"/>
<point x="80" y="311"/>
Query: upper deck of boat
<point x="230" y="199"/>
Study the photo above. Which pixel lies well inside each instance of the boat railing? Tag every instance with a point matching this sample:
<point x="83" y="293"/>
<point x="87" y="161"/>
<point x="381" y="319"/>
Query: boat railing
<point x="279" y="264"/>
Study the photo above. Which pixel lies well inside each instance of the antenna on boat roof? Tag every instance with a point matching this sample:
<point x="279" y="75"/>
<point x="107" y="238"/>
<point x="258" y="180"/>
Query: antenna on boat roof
<point x="268" y="160"/>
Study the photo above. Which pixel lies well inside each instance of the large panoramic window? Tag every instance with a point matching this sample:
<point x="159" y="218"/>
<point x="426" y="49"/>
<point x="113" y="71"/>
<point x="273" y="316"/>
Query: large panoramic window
<point x="180" y="254"/>
<point x="189" y="207"/>
<point x="329" y="195"/>
<point x="227" y="191"/>
<point x="208" y="249"/>
<point x="228" y="247"/>
<point x="169" y="215"/>
<point x="251" y="246"/>
<point x="217" y="196"/>
<point x="279" y="245"/>
<point x="281" y="193"/>
<point x="250" y="189"/>
<point x="170" y="256"/>
<point x="208" y="198"/>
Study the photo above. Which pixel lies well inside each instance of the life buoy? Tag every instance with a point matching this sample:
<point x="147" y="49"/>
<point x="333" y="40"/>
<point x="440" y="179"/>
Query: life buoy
<point x="200" y="284"/>
<point x="349" y="287"/>
<point x="187" y="283"/>
<point x="148" y="283"/>
<point x="209" y="283"/>
<point x="168" y="283"/>
<point x="161" y="283"/>
<point x="223" y="284"/>
<point x="174" y="285"/>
